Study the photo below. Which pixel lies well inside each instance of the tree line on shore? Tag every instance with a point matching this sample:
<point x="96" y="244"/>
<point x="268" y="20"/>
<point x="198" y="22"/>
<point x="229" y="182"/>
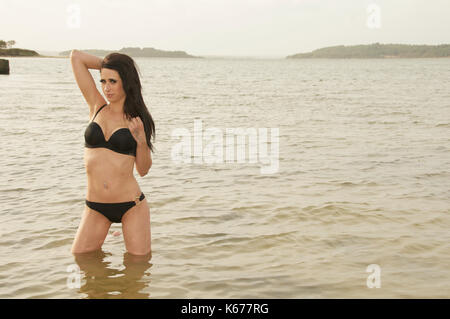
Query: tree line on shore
<point x="7" y="44"/>
<point x="377" y="50"/>
<point x="6" y="49"/>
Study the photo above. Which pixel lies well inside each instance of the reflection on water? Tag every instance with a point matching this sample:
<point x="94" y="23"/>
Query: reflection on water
<point x="100" y="280"/>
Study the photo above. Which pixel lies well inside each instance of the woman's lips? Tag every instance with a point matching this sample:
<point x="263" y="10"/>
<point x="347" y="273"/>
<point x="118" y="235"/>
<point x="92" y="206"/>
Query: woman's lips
<point x="109" y="95"/>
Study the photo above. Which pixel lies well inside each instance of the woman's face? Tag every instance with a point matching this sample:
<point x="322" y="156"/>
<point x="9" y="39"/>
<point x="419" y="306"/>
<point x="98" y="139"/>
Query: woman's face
<point x="111" y="85"/>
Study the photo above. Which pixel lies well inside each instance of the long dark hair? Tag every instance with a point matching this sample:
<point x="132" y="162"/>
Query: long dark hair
<point x="134" y="103"/>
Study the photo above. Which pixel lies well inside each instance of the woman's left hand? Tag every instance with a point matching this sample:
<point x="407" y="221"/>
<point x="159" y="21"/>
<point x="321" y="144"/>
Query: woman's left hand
<point x="136" y="128"/>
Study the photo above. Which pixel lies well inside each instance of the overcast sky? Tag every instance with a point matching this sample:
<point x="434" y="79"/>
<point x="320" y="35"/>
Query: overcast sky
<point x="222" y="27"/>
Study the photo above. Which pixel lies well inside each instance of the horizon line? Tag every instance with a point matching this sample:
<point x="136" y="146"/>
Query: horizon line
<point x="255" y="56"/>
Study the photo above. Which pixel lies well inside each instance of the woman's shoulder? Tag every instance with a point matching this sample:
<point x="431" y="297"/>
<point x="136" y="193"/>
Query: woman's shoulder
<point x="96" y="108"/>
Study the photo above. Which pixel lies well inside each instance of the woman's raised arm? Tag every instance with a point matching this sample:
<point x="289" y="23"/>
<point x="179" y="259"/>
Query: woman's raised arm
<point x="81" y="63"/>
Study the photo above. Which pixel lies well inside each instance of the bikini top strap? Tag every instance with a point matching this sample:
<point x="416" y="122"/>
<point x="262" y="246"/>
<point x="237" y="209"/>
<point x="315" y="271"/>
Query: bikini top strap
<point x="98" y="111"/>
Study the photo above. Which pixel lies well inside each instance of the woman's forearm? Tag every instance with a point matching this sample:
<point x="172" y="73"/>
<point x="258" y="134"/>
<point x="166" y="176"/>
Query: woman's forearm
<point x="143" y="158"/>
<point x="91" y="61"/>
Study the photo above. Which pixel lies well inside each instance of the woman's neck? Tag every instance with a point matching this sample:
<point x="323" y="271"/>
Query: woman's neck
<point x="116" y="108"/>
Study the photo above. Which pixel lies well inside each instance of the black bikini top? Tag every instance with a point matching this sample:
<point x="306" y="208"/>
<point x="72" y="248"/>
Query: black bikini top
<point x="121" y="141"/>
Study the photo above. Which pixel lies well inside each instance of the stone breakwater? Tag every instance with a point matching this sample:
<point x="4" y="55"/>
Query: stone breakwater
<point x="4" y="66"/>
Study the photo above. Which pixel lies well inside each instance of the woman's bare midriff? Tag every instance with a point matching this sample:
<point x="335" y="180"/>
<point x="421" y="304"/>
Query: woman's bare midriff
<point x="110" y="176"/>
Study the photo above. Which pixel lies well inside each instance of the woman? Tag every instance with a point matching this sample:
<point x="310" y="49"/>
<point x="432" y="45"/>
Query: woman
<point x="117" y="139"/>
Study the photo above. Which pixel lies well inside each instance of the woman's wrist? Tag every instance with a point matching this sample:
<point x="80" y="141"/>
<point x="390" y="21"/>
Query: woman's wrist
<point x="142" y="143"/>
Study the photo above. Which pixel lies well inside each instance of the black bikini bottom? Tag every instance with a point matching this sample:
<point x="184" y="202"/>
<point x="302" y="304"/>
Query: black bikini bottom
<point x="114" y="211"/>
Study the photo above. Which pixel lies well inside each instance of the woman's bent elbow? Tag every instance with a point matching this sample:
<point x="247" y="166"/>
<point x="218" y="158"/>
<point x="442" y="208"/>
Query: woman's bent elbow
<point x="73" y="54"/>
<point x="143" y="174"/>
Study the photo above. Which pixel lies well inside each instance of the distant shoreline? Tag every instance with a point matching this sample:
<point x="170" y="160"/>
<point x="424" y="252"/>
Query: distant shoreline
<point x="16" y="52"/>
<point x="36" y="56"/>
<point x="137" y="53"/>
<point x="371" y="51"/>
<point x="131" y="51"/>
<point x="377" y="51"/>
